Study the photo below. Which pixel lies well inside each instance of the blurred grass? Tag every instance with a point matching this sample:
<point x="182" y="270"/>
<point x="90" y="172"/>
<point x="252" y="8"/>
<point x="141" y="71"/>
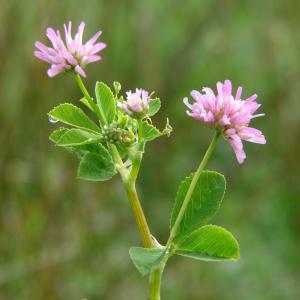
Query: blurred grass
<point x="61" y="238"/>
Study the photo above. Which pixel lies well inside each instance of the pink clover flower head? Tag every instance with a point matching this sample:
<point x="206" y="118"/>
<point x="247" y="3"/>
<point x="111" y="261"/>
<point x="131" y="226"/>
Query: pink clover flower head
<point x="137" y="103"/>
<point x="227" y="113"/>
<point x="71" y="54"/>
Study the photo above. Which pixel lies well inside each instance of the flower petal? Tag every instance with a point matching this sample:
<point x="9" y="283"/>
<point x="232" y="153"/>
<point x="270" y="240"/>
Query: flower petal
<point x="227" y="88"/>
<point x="55" y="70"/>
<point x="93" y="39"/>
<point x="96" y="48"/>
<point x="252" y="135"/>
<point x="236" y="143"/>
<point x="42" y="56"/>
<point x="89" y="59"/>
<point x="80" y="71"/>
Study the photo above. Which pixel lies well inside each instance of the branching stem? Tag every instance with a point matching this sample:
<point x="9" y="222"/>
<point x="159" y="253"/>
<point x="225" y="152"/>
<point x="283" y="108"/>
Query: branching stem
<point x="128" y="177"/>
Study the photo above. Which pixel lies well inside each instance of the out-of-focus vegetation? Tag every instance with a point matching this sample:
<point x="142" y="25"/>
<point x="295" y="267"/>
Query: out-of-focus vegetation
<point x="62" y="238"/>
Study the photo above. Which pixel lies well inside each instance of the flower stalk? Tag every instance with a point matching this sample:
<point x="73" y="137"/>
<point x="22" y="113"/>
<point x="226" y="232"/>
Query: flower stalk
<point x="190" y="191"/>
<point x="156" y="274"/>
<point x="89" y="99"/>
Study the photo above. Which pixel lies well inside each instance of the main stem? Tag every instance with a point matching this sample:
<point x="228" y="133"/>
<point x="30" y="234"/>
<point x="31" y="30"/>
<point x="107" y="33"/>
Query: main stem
<point x="128" y="178"/>
<point x="139" y="215"/>
<point x="155" y="275"/>
<point x="155" y="282"/>
<point x="129" y="183"/>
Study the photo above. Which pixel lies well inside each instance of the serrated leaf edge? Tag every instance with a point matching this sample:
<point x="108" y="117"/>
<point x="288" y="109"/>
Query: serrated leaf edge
<point x="55" y="131"/>
<point x="88" y="129"/>
<point x="93" y="141"/>
<point x="159" y="101"/>
<point x="98" y="101"/>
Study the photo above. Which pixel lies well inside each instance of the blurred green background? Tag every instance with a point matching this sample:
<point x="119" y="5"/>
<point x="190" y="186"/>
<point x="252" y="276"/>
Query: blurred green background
<point x="62" y="238"/>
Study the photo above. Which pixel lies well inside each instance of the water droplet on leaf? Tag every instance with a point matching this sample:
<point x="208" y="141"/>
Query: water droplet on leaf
<point x="52" y="120"/>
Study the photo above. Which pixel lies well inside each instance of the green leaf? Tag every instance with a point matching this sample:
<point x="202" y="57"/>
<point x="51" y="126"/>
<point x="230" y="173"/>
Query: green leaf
<point x="97" y="167"/>
<point x="57" y="134"/>
<point x="204" y="203"/>
<point x="146" y="258"/>
<point x="72" y="115"/>
<point x="148" y="132"/>
<point x="106" y="102"/>
<point x="76" y="137"/>
<point x="154" y="107"/>
<point x="79" y="150"/>
<point x="209" y="243"/>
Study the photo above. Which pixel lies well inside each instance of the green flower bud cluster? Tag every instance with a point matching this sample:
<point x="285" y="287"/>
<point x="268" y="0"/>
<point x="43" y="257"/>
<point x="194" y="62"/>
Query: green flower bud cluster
<point x="113" y="134"/>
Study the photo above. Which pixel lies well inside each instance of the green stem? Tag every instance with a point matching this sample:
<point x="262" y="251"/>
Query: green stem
<point x="155" y="283"/>
<point x="128" y="178"/>
<point x="192" y="186"/>
<point x="90" y="100"/>
<point x="156" y="275"/>
<point x="83" y="88"/>
<point x="134" y="200"/>
<point x="139" y="215"/>
<point x="119" y="162"/>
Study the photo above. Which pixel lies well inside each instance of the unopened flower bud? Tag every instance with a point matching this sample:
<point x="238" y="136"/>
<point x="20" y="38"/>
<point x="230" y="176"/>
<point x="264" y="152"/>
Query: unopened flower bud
<point x="123" y="120"/>
<point x="117" y="87"/>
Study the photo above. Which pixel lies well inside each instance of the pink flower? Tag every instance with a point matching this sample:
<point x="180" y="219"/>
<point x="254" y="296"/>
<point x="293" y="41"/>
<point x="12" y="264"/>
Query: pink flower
<point x="136" y="103"/>
<point x="227" y="113"/>
<point x="71" y="55"/>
